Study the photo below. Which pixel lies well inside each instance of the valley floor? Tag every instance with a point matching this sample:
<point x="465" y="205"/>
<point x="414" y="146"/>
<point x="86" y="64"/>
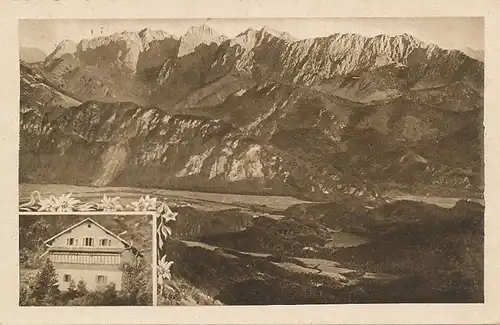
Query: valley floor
<point x="247" y="249"/>
<point x="206" y="200"/>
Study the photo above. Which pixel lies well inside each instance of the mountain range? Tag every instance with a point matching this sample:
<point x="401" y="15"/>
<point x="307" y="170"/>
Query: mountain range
<point x="262" y="112"/>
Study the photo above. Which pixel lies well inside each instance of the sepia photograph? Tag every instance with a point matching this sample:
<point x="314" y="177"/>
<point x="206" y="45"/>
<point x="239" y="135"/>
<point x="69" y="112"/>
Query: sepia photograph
<point x="285" y="161"/>
<point x="94" y="260"/>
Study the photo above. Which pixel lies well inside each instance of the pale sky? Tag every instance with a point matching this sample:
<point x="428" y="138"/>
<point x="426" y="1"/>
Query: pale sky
<point x="446" y="32"/>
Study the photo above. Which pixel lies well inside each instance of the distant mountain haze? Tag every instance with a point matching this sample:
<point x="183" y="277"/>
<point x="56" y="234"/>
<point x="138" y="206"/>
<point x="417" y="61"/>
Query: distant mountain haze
<point x="31" y="54"/>
<point x="475" y="54"/>
<point x="338" y="115"/>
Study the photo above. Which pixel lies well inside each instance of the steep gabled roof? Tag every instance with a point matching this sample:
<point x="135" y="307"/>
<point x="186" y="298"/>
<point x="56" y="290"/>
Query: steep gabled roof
<point x="127" y="245"/>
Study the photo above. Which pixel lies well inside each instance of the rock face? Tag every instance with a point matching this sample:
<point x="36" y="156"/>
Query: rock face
<point x="39" y="95"/>
<point x="65" y="47"/>
<point x="119" y="47"/>
<point x="125" y="144"/>
<point x="337" y="115"/>
<point x="196" y="36"/>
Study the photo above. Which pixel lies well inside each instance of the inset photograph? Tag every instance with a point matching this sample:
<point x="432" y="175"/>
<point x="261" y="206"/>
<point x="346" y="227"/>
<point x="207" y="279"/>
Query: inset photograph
<point x="85" y="260"/>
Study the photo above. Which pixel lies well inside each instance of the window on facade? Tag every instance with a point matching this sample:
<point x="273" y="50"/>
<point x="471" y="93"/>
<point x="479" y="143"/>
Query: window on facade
<point x="88" y="241"/>
<point x="72" y="241"/>
<point x="101" y="279"/>
<point x="67" y="278"/>
<point x="105" y="242"/>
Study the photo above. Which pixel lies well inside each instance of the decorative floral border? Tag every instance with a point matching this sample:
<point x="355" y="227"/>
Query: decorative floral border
<point x="159" y="209"/>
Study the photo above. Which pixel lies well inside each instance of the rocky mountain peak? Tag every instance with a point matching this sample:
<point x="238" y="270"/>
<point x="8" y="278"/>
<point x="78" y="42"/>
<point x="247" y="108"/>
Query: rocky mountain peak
<point x="247" y="39"/>
<point x="129" y="46"/>
<point x="410" y="39"/>
<point x="64" y="47"/>
<point x="148" y="35"/>
<point x="251" y="38"/>
<point x="201" y="30"/>
<point x="198" y="35"/>
<point x="124" y="47"/>
<point x="146" y="32"/>
<point x="279" y="34"/>
<point x="93" y="43"/>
